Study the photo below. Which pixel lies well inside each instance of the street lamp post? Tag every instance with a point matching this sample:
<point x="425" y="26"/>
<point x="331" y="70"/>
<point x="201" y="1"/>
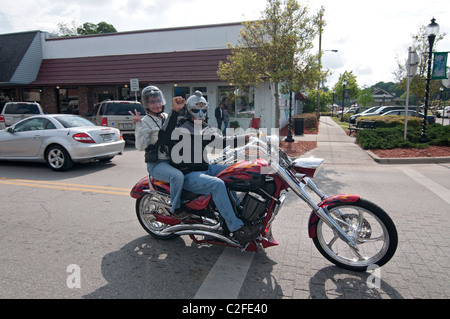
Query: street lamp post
<point x="333" y="110"/>
<point x="289" y="137"/>
<point x="431" y="31"/>
<point x="344" y="83"/>
<point x="441" y="92"/>
<point x="320" y="76"/>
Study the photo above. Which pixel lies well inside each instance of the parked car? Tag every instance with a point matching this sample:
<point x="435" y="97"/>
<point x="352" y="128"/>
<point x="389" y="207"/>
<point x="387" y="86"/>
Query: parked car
<point x="430" y="118"/>
<point x="60" y="140"/>
<point x="15" y="111"/>
<point x="379" y="111"/>
<point x="445" y="112"/>
<point x="116" y="114"/>
<point x="370" y="110"/>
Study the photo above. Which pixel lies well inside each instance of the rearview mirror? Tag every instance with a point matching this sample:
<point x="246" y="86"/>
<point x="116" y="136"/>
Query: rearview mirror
<point x="10" y="130"/>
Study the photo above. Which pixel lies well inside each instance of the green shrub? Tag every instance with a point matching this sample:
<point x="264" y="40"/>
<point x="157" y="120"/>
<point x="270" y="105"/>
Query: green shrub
<point x="392" y="136"/>
<point x="234" y="124"/>
<point x="393" y="120"/>
<point x="310" y="120"/>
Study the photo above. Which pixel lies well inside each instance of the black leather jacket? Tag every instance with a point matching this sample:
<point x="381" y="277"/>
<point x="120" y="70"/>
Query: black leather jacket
<point x="186" y="140"/>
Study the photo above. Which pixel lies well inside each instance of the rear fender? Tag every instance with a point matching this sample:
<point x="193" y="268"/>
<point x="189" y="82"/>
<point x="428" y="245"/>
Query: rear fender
<point x="314" y="219"/>
<point x="140" y="188"/>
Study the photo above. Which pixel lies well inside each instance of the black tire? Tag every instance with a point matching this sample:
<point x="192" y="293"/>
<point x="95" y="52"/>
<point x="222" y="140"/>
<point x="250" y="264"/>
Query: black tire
<point x="146" y="206"/>
<point x="58" y="159"/>
<point x="375" y="232"/>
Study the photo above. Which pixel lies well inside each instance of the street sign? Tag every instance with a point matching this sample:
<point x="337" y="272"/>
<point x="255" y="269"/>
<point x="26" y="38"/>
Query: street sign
<point x="413" y="62"/>
<point x="446" y="83"/>
<point x="134" y="85"/>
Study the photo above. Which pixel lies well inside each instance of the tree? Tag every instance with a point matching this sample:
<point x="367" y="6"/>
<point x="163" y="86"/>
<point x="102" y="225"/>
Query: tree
<point x="365" y="97"/>
<point x="275" y="49"/>
<point x="352" y="85"/>
<point x="310" y="105"/>
<point x="91" y="28"/>
<point x="67" y="31"/>
<point x="87" y="28"/>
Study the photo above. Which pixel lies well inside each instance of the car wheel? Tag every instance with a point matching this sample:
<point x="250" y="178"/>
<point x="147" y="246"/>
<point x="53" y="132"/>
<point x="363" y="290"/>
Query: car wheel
<point x="58" y="159"/>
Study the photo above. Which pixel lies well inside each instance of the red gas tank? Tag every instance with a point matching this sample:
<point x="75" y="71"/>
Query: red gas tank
<point x="245" y="176"/>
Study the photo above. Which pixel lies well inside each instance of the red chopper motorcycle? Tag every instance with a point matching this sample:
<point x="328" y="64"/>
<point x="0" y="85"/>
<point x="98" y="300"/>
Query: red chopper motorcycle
<point x="349" y="231"/>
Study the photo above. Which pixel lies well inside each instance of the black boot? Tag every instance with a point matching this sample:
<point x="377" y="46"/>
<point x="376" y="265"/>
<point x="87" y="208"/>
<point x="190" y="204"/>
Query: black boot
<point x="247" y="233"/>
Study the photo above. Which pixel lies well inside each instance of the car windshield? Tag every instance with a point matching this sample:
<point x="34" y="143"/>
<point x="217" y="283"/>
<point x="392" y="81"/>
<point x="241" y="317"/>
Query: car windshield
<point x="372" y="109"/>
<point x="73" y="121"/>
<point x="123" y="108"/>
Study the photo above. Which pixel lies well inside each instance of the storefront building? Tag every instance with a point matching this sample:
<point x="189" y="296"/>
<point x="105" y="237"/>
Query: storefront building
<point x="72" y="74"/>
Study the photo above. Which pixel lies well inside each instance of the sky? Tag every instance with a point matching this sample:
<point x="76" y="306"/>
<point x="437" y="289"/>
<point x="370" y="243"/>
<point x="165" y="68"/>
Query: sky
<point x="370" y="36"/>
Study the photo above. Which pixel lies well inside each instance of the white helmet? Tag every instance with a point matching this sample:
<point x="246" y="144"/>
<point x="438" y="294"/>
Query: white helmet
<point x="197" y="106"/>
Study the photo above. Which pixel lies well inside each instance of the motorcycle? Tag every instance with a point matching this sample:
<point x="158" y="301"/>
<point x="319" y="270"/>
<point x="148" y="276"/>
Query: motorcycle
<point x="349" y="231"/>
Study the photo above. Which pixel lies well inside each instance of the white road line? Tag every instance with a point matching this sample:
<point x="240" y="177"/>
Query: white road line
<point x="437" y="189"/>
<point x="227" y="276"/>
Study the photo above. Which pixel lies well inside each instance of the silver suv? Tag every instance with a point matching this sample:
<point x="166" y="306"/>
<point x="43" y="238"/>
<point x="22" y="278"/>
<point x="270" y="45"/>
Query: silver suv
<point x="116" y="114"/>
<point x="15" y="111"/>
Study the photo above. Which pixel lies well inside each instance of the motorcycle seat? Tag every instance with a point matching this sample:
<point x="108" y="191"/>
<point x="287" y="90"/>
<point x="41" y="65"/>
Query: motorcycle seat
<point x="165" y="187"/>
<point x="187" y="195"/>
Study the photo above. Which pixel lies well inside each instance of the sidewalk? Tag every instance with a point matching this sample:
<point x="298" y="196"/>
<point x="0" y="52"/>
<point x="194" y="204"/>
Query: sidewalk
<point x="337" y="147"/>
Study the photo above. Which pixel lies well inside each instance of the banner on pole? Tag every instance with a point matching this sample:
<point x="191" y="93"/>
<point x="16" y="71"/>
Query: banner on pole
<point x="440" y="65"/>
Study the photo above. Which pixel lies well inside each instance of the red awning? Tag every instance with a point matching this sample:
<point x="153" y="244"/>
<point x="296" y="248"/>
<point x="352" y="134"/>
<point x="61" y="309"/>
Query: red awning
<point x="171" y="67"/>
<point x="300" y="97"/>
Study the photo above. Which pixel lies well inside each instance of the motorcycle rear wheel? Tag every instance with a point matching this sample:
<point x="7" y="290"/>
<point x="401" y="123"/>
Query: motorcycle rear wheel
<point x="373" y="229"/>
<point x="146" y="208"/>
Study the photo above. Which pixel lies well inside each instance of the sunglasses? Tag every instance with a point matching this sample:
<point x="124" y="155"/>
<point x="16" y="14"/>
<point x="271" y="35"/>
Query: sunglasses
<point x="197" y="110"/>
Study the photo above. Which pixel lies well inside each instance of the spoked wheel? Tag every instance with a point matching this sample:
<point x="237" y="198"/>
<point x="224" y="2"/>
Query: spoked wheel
<point x="369" y="225"/>
<point x="146" y="208"/>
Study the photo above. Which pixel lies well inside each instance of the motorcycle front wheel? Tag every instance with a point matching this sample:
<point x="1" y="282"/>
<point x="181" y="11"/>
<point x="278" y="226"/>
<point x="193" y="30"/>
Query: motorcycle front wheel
<point x="371" y="227"/>
<point x="146" y="208"/>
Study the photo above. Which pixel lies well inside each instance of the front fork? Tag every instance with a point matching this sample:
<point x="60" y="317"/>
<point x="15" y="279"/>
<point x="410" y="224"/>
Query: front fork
<point x="297" y="185"/>
<point x="321" y="211"/>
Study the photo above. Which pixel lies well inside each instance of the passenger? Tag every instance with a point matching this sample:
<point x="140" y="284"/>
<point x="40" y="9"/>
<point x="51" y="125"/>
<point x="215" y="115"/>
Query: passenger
<point x="147" y="130"/>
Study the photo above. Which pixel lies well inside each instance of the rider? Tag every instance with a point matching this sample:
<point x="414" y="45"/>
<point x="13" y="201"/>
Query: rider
<point x="147" y="130"/>
<point x="201" y="177"/>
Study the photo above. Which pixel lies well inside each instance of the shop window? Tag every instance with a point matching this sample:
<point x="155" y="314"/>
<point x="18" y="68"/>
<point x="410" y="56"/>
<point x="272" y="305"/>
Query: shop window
<point x="32" y="95"/>
<point x="183" y="91"/>
<point x="68" y="101"/>
<point x="239" y="103"/>
<point x="6" y="95"/>
<point x="125" y="94"/>
<point x="202" y="89"/>
<point x="186" y="92"/>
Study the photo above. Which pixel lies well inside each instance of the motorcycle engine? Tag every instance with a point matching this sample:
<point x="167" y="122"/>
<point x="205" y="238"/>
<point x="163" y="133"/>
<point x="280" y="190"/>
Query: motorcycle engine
<point x="254" y="205"/>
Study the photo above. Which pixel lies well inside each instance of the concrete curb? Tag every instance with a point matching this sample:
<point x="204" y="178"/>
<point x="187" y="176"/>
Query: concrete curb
<point x="409" y="160"/>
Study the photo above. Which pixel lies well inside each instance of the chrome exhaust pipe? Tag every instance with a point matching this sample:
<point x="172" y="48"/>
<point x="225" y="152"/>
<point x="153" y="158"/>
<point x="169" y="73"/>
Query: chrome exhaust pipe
<point x="190" y="227"/>
<point x="209" y="234"/>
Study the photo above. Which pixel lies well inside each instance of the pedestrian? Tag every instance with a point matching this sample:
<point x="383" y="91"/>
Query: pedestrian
<point x="218" y="114"/>
<point x="226" y="119"/>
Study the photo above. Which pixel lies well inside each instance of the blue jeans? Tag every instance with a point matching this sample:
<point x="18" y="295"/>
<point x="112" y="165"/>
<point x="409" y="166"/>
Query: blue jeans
<point x="225" y="126"/>
<point x="206" y="183"/>
<point x="163" y="171"/>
